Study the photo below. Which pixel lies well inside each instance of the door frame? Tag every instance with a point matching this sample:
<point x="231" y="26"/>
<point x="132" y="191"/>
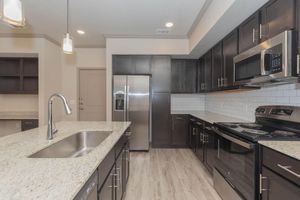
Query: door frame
<point x="78" y="87"/>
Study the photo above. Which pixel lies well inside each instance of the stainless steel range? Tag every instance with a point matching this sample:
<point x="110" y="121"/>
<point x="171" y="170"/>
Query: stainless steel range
<point x="237" y="171"/>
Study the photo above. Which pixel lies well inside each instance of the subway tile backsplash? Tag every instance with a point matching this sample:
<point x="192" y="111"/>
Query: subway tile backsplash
<point x="242" y="104"/>
<point x="189" y="102"/>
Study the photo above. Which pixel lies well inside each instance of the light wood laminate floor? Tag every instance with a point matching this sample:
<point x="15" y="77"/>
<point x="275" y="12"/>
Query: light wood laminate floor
<point x="168" y="174"/>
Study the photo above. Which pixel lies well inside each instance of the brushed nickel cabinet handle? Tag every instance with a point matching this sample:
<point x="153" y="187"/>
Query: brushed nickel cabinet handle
<point x="261" y="178"/>
<point x="288" y="169"/>
<point x="260" y="31"/>
<point x="253" y="35"/>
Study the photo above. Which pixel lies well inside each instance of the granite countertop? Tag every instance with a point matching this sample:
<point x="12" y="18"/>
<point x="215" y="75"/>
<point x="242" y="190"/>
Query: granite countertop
<point x="6" y="115"/>
<point x="290" y="148"/>
<point x="209" y="116"/>
<point x="50" y="178"/>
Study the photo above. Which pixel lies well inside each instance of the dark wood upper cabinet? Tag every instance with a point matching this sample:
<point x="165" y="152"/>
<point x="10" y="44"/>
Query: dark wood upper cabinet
<point x="217" y="66"/>
<point x="276" y="17"/>
<point x="19" y="75"/>
<point x="131" y="64"/>
<point x="184" y="76"/>
<point x="123" y="64"/>
<point x="161" y="74"/>
<point x="230" y="49"/>
<point x="207" y="71"/>
<point x="201" y="76"/>
<point x="142" y="64"/>
<point x="249" y="32"/>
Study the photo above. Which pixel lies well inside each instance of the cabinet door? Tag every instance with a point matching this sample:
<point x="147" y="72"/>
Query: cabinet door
<point x="211" y="148"/>
<point x="277" y="188"/>
<point x="142" y="64"/>
<point x="179" y="130"/>
<point x="190" y="76"/>
<point x="207" y="71"/>
<point x="199" y="141"/>
<point x="178" y="75"/>
<point x="118" y="182"/>
<point x="123" y="65"/>
<point x="217" y="62"/>
<point x="249" y="33"/>
<point x="184" y="75"/>
<point x="161" y="120"/>
<point x="125" y="166"/>
<point x="106" y="192"/>
<point x="161" y="73"/>
<point x="277" y="16"/>
<point x="201" y="76"/>
<point x="230" y="49"/>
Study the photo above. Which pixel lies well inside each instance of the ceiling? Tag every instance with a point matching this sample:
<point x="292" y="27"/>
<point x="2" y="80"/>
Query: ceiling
<point x="107" y="18"/>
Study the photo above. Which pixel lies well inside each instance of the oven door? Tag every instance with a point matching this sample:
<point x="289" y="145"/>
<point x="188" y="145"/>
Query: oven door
<point x="236" y="162"/>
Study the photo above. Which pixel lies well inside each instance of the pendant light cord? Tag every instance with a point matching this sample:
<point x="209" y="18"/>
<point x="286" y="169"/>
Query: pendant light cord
<point x="67" y="16"/>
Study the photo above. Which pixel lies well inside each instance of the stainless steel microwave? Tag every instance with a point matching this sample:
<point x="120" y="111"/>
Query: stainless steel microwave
<point x="274" y="61"/>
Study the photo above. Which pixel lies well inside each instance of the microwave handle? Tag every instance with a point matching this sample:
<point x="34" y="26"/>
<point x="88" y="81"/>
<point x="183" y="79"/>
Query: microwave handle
<point x="262" y="62"/>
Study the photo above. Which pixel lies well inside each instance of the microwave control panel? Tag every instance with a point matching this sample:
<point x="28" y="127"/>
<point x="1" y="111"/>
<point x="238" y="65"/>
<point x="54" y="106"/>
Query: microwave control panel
<point x="273" y="59"/>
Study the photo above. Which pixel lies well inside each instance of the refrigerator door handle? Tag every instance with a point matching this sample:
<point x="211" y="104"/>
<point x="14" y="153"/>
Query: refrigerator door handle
<point x="127" y="103"/>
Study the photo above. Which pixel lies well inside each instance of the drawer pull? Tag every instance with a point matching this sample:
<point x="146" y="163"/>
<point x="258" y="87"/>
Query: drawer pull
<point x="287" y="169"/>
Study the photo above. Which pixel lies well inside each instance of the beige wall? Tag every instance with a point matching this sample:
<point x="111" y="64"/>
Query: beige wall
<point x="134" y="46"/>
<point x="83" y="58"/>
<point x="49" y="74"/>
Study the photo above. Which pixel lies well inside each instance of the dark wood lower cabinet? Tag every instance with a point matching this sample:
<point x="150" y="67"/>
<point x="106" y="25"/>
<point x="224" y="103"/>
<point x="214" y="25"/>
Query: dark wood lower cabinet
<point x="280" y="176"/>
<point x="210" y="147"/>
<point x="202" y="141"/>
<point x="278" y="188"/>
<point x="106" y="192"/>
<point x="110" y="179"/>
<point x="179" y="131"/>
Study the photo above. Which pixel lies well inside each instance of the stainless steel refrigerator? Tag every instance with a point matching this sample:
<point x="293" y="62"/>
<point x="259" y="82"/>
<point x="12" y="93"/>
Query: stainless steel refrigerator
<point x="131" y="102"/>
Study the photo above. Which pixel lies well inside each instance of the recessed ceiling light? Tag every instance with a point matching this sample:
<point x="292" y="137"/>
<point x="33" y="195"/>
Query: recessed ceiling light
<point x="80" y="32"/>
<point x="169" y="24"/>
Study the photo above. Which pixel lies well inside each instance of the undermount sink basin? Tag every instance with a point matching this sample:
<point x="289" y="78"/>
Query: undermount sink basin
<point x="75" y="145"/>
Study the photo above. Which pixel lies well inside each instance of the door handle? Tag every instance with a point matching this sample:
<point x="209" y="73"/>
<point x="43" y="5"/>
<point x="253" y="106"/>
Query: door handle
<point x="288" y="169"/>
<point x="260" y="31"/>
<point x="218" y="82"/>
<point x="253" y="35"/>
<point x="261" y="178"/>
<point x="81" y="109"/>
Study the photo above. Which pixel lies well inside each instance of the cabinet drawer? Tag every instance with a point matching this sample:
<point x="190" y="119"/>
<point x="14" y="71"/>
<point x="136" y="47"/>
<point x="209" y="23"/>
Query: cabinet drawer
<point x="105" y="167"/>
<point x="282" y="164"/>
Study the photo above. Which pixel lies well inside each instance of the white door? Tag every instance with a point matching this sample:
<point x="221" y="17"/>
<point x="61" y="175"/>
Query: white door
<point x="92" y="95"/>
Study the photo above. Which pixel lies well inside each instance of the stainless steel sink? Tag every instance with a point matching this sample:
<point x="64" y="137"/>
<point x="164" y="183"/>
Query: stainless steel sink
<point x="75" y="145"/>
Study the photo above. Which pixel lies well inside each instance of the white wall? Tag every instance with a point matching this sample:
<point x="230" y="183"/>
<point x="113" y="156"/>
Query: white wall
<point x="134" y="46"/>
<point x="187" y="102"/>
<point x="242" y="104"/>
<point x="83" y="58"/>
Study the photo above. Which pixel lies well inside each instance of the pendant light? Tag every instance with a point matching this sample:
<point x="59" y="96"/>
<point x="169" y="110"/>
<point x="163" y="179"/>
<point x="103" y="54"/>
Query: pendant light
<point x="67" y="41"/>
<point x="12" y="13"/>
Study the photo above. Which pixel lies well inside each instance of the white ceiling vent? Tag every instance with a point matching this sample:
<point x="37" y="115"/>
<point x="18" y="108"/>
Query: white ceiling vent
<point x="162" y="31"/>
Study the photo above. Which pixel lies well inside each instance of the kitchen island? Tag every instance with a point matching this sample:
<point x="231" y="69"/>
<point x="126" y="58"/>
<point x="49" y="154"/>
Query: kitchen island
<point x="51" y="178"/>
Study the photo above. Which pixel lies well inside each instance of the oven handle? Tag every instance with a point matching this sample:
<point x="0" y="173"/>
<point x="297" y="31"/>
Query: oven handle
<point x="232" y="139"/>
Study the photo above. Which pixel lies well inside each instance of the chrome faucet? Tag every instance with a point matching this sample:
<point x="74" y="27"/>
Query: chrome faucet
<point x="51" y="127"/>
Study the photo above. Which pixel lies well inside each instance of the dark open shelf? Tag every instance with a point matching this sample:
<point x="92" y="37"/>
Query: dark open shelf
<point x="18" y="75"/>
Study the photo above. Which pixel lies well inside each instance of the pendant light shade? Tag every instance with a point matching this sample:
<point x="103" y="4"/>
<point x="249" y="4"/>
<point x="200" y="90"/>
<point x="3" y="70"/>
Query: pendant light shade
<point x="67" y="45"/>
<point x="12" y="13"/>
